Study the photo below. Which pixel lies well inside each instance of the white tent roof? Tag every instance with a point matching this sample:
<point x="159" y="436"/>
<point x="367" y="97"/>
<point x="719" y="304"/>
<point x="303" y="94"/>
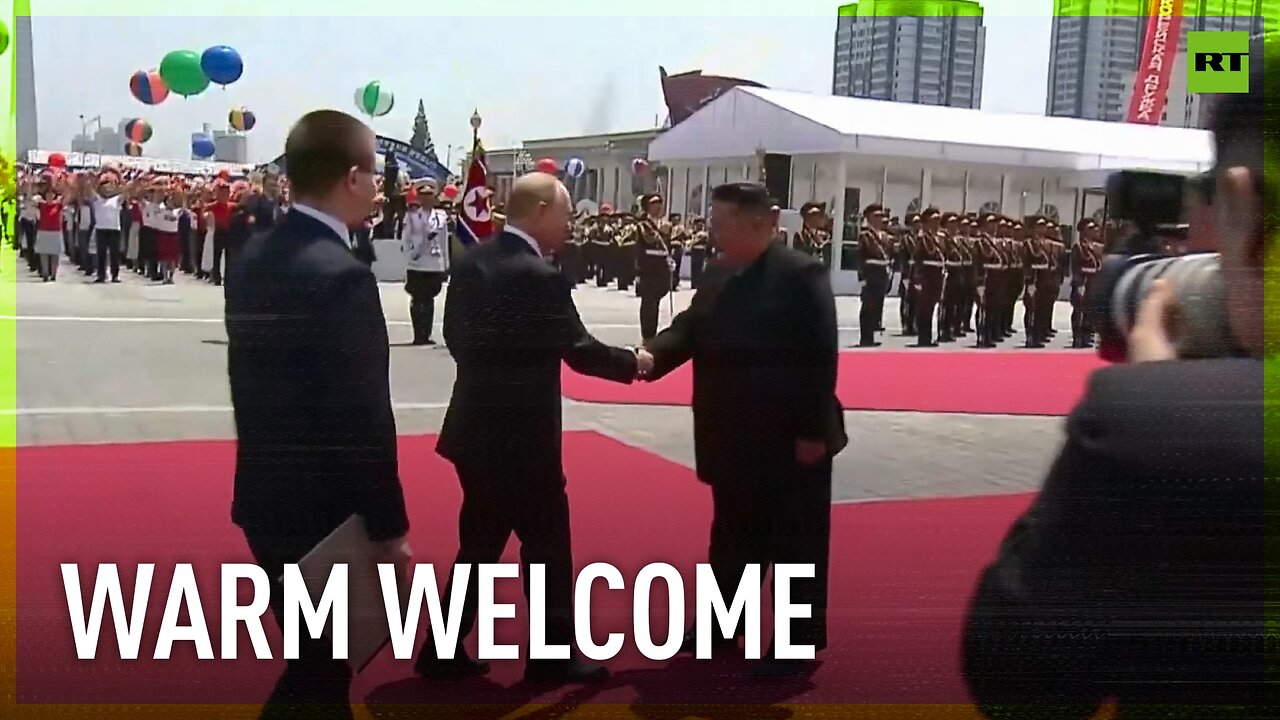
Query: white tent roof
<point x="739" y="122"/>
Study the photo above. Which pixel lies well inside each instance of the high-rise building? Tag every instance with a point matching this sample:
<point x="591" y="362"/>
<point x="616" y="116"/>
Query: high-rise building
<point x="933" y="59"/>
<point x="104" y="141"/>
<point x="230" y="146"/>
<point x="1095" y="47"/>
<point x="28" y="122"/>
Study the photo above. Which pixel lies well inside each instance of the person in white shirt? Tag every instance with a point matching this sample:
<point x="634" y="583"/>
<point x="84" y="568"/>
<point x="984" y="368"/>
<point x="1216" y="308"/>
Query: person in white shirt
<point x="425" y="243"/>
<point x="106" y="213"/>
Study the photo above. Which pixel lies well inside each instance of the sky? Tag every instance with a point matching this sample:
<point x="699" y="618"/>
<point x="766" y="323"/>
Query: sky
<point x="529" y="77"/>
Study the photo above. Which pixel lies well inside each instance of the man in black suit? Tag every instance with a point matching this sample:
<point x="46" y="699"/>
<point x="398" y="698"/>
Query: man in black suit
<point x="761" y="332"/>
<point x="308" y="365"/>
<point x="509" y="322"/>
<point x="1138" y="574"/>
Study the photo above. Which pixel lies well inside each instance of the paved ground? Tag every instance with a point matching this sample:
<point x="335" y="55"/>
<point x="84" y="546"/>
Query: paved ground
<point x="142" y="362"/>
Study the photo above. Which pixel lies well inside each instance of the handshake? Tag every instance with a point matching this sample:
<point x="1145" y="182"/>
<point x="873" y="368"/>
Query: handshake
<point x="644" y="363"/>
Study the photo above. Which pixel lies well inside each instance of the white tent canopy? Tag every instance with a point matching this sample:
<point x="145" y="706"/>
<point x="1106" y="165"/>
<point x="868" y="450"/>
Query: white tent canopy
<point x="745" y="120"/>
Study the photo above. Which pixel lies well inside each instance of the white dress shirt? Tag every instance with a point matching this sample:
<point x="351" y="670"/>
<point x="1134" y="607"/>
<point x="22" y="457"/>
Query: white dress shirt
<point x="526" y="237"/>
<point x="425" y="241"/>
<point x="338" y="227"/>
<point x="106" y="212"/>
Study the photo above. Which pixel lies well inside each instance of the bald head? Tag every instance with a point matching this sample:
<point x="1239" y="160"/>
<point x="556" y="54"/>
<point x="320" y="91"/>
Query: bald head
<point x="531" y="193"/>
<point x="539" y="205"/>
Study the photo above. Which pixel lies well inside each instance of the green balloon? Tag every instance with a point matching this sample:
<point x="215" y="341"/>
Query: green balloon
<point x="181" y="71"/>
<point x="4" y="38"/>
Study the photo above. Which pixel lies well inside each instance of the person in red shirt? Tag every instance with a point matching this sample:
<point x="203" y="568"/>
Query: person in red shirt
<point x="49" y="230"/>
<point x="221" y="210"/>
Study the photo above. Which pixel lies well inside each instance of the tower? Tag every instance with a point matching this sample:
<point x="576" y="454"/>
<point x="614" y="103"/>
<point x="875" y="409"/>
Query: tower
<point x="25" y="82"/>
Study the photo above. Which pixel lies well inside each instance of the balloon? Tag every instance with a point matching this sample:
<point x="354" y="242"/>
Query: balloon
<point x="373" y="100"/>
<point x="181" y="71"/>
<point x="137" y="130"/>
<point x="575" y="167"/>
<point x="547" y="165"/>
<point x="242" y="120"/>
<point x="148" y="87"/>
<point x="202" y="146"/>
<point x="639" y="166"/>
<point x="57" y="160"/>
<point x="222" y="65"/>
<point x="4" y="38"/>
<point x="132" y="149"/>
<point x="450" y="192"/>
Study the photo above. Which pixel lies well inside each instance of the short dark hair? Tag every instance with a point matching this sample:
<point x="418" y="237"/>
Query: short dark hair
<point x="745" y="196"/>
<point x="321" y="149"/>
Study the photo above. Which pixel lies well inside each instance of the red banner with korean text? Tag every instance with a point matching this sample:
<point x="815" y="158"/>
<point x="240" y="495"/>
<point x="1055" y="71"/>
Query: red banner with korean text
<point x="1159" y="48"/>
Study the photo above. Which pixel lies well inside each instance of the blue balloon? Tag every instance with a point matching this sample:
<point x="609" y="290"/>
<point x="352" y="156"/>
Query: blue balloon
<point x="222" y="65"/>
<point x="202" y="146"/>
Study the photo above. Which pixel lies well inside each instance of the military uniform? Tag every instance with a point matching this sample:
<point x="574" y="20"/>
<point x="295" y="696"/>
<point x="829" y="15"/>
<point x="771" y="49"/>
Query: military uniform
<point x="954" y="287"/>
<point x="1017" y="277"/>
<point x="876" y="257"/>
<point x="1035" y="262"/>
<point x="679" y="238"/>
<point x="652" y="241"/>
<point x="573" y="263"/>
<point x="602" y="244"/>
<point x="990" y="271"/>
<point x="928" y="277"/>
<point x="1086" y="260"/>
<point x="907" y="291"/>
<point x="698" y="247"/>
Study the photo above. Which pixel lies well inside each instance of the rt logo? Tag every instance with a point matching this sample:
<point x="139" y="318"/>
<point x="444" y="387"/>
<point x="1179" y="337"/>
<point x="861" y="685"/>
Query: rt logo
<point x="1219" y="62"/>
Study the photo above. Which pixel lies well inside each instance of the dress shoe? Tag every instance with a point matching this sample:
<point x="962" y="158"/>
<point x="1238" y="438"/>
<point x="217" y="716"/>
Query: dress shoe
<point x="460" y="666"/>
<point x="564" y="672"/>
<point x="869" y="344"/>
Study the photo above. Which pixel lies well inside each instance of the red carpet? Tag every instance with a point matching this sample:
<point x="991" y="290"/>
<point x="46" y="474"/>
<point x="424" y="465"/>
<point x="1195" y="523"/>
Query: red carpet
<point x="901" y="575"/>
<point x="997" y="383"/>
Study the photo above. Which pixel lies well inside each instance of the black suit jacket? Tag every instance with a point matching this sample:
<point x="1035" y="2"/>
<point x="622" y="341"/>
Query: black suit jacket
<point x="308" y="364"/>
<point x="1138" y="573"/>
<point x="509" y="322"/>
<point x="362" y="246"/>
<point x="764" y="347"/>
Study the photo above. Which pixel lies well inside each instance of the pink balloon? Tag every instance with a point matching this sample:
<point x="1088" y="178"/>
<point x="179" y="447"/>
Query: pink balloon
<point x="450" y="192"/>
<point x="547" y="165"/>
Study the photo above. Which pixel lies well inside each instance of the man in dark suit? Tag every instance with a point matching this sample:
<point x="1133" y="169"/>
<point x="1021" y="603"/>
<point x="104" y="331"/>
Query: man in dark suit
<point x="761" y="332"/>
<point x="509" y="322"/>
<point x="1139" y="573"/>
<point x="308" y="365"/>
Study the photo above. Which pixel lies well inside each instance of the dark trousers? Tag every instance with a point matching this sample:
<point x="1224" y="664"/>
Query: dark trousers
<point x="186" y="250"/>
<point x="926" y="303"/>
<point x="907" y="304"/>
<point x="422" y="287"/>
<point x="496" y="504"/>
<point x="1046" y="298"/>
<point x="677" y="256"/>
<point x="875" y="286"/>
<point x="774" y="522"/>
<point x="625" y="257"/>
<point x="315" y="685"/>
<point x="27" y="231"/>
<point x="108" y="242"/>
<point x="198" y="255"/>
<point x="84" y="251"/>
<point x="1013" y="294"/>
<point x="697" y="258"/>
<point x="650" y="305"/>
<point x="604" y="265"/>
<point x="219" y="248"/>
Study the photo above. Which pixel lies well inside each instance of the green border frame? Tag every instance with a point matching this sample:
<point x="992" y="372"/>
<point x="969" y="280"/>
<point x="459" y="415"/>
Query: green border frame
<point x="498" y="8"/>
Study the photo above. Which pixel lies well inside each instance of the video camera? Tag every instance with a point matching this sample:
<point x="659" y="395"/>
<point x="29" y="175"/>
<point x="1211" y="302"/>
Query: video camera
<point x="1148" y="207"/>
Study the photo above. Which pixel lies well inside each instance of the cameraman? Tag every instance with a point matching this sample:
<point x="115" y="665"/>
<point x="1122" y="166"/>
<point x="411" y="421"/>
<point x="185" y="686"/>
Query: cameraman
<point x="1137" y="575"/>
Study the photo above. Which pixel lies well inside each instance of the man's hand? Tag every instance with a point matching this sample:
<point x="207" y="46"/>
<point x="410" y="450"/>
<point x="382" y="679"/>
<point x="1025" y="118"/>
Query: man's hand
<point x="644" y="363"/>
<point x="809" y="452"/>
<point x="396" y="552"/>
<point x="1151" y="339"/>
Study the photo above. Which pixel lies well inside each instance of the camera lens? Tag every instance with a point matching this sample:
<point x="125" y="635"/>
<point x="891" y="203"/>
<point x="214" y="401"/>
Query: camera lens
<point x="1125" y="280"/>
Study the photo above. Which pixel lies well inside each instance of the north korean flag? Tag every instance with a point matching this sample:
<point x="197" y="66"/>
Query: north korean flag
<point x="476" y="215"/>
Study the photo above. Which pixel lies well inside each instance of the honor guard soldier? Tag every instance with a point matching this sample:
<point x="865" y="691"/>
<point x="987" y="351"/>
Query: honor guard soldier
<point x="652" y="238"/>
<point x="813" y="238"/>
<point x="930" y="271"/>
<point x="590" y="231"/>
<point x="679" y="239"/>
<point x="876" y="256"/>
<point x="1059" y="261"/>
<point x="573" y="263"/>
<point x="1017" y="276"/>
<point x="606" y="262"/>
<point x="990" y="282"/>
<point x="905" y="253"/>
<point x="698" y="241"/>
<point x="969" y="233"/>
<point x="953" y="287"/>
<point x="1086" y="261"/>
<point x="1035" y="262"/>
<point x="624" y="252"/>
